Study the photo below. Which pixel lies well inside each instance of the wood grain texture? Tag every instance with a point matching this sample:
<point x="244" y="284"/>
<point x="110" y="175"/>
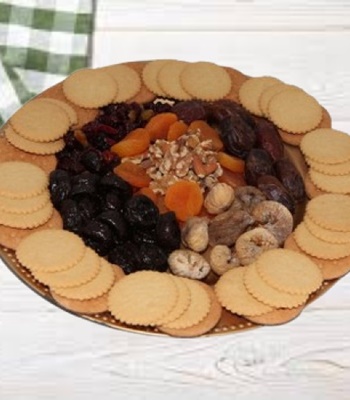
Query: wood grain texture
<point x="46" y="353"/>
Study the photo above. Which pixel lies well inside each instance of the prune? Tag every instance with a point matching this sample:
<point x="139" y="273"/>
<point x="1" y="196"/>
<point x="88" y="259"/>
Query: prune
<point x="268" y="138"/>
<point x="126" y="256"/>
<point x="71" y="216"/>
<point x="116" y="222"/>
<point x="70" y="163"/>
<point x="152" y="257"/>
<point x="84" y="183"/>
<point x="168" y="231"/>
<point x="290" y="179"/>
<point x="140" y="211"/>
<point x="60" y="186"/>
<point x="92" y="160"/>
<point x="99" y="233"/>
<point x="237" y="135"/>
<point x="89" y="207"/>
<point x="112" y="200"/>
<point x="147" y="236"/>
<point x="189" y="111"/>
<point x="258" y="163"/>
<point x="112" y="181"/>
<point x="274" y="190"/>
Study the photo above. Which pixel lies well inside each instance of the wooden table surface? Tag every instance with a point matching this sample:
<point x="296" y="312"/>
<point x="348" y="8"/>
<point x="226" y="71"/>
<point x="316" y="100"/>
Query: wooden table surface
<point x="46" y="353"/>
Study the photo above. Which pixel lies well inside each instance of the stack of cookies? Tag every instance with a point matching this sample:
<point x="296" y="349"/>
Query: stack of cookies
<point x="77" y="277"/>
<point x="324" y="234"/>
<point x="327" y="152"/>
<point x="177" y="306"/>
<point x="272" y="290"/>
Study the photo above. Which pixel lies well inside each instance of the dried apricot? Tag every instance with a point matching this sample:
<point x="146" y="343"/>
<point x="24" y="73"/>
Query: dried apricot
<point x="206" y="132"/>
<point x="185" y="198"/>
<point x="135" y="142"/>
<point x="133" y="174"/>
<point x="231" y="163"/>
<point x="158" y="125"/>
<point x="176" y="130"/>
<point x="233" y="179"/>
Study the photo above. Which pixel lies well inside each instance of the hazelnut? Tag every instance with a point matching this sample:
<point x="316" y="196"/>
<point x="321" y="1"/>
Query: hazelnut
<point x="195" y="234"/>
<point x="219" y="198"/>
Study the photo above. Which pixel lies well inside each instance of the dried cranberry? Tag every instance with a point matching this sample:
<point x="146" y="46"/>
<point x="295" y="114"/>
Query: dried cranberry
<point x="71" y="142"/>
<point x="158" y="107"/>
<point x="59" y="186"/>
<point x="168" y="231"/>
<point x="70" y="163"/>
<point x="140" y="211"/>
<point x="258" y="163"/>
<point x="190" y="110"/>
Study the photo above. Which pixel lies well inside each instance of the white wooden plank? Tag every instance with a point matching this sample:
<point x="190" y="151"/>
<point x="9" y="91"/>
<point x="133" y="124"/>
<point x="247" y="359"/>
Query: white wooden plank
<point x="223" y="15"/>
<point x="315" y="62"/>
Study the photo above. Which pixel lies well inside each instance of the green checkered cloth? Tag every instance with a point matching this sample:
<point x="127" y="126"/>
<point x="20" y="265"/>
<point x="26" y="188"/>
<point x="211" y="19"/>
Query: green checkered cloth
<point x="41" y="42"/>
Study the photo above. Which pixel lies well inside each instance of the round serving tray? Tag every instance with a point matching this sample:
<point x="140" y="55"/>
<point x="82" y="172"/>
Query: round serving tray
<point x="229" y="323"/>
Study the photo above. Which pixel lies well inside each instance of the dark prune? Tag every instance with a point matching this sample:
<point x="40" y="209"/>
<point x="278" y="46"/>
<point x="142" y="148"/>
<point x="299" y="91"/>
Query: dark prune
<point x="237" y="135"/>
<point x="70" y="163"/>
<point x="116" y="222"/>
<point x="100" y="233"/>
<point x="147" y="236"/>
<point x="152" y="258"/>
<point x="100" y="247"/>
<point x="60" y="186"/>
<point x="112" y="201"/>
<point x="92" y="160"/>
<point x="168" y="231"/>
<point x="89" y="207"/>
<point x="112" y="181"/>
<point x="140" y="211"/>
<point x="189" y="111"/>
<point x="71" y="216"/>
<point x="290" y="179"/>
<point x="269" y="139"/>
<point x="126" y="256"/>
<point x="111" y="159"/>
<point x="258" y="163"/>
<point x="84" y="183"/>
<point x="274" y="190"/>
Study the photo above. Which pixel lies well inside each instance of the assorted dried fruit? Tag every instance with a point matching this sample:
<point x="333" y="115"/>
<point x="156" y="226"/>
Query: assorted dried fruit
<point x="195" y="188"/>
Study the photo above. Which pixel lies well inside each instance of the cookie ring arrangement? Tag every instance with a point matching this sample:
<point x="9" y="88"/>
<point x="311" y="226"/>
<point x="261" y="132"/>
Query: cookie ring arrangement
<point x="175" y="198"/>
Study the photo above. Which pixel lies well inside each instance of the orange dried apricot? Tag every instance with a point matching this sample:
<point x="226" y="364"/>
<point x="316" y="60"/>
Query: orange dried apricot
<point x="185" y="198"/>
<point x="158" y="125"/>
<point x="233" y="179"/>
<point x="135" y="142"/>
<point x="133" y="173"/>
<point x="176" y="130"/>
<point x="206" y="132"/>
<point x="231" y="163"/>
